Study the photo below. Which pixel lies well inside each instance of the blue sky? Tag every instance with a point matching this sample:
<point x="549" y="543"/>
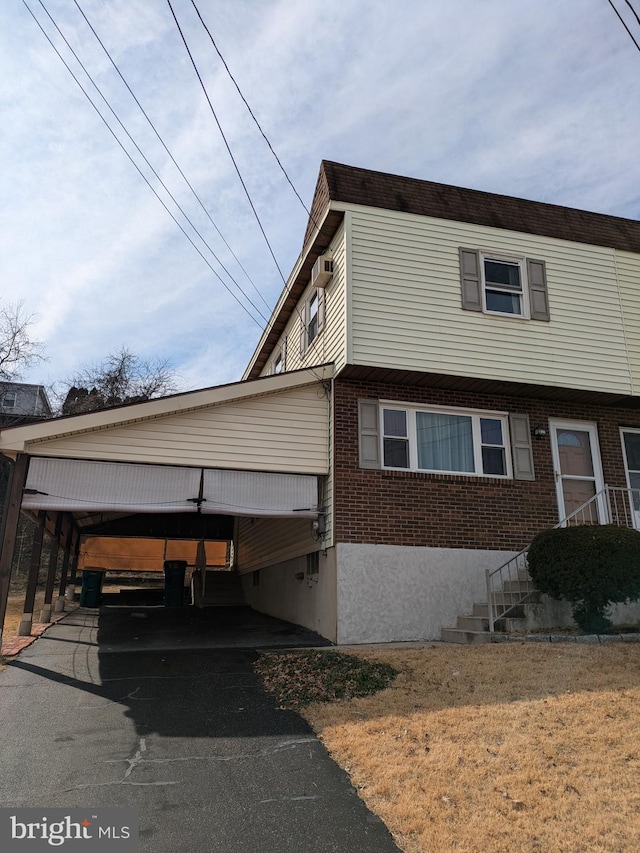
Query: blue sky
<point x="538" y="100"/>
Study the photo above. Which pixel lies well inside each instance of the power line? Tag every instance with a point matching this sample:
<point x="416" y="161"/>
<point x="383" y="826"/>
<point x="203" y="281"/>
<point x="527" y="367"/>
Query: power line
<point x="628" y="2"/>
<point x="162" y="142"/>
<point x="251" y="113"/>
<point x="622" y="21"/>
<point x="167" y="190"/>
<point x="233" y="160"/>
<point x="140" y="172"/>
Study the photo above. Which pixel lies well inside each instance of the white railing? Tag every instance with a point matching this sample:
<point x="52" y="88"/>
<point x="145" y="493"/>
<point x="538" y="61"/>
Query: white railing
<point x="509" y="585"/>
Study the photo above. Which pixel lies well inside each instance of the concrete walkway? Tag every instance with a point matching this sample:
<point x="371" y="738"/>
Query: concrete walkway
<point x="98" y="713"/>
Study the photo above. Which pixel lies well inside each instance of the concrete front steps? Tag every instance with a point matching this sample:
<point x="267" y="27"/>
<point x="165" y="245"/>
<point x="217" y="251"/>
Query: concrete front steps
<point x="474" y="628"/>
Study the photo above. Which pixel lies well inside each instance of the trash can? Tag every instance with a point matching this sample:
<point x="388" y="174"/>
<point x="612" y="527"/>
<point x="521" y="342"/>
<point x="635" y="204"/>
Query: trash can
<point x="174" y="572"/>
<point x="91" y="590"/>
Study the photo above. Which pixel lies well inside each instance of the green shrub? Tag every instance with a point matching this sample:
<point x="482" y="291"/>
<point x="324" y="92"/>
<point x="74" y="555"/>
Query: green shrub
<point x="590" y="566"/>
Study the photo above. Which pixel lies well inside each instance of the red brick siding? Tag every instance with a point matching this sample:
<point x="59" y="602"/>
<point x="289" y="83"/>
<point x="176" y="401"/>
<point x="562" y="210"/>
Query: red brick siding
<point x="453" y="511"/>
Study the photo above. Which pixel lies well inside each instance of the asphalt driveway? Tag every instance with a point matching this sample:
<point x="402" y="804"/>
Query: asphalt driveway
<point x="125" y="708"/>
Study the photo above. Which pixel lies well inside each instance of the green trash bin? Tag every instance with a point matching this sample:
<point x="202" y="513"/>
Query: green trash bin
<point x="174" y="572"/>
<point x="91" y="590"/>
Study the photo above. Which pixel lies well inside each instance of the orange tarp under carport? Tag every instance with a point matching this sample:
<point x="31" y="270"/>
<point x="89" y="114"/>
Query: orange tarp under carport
<point x="145" y="555"/>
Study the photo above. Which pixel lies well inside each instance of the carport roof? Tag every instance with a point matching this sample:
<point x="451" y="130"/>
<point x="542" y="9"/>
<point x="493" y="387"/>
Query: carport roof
<point x="20" y="439"/>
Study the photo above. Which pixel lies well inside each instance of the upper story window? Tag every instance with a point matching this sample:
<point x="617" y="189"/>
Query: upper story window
<point x="499" y="284"/>
<point x="312" y="318"/>
<point x="278" y="364"/>
<point x="454" y="442"/>
<point x="9" y="400"/>
<point x="502" y="286"/>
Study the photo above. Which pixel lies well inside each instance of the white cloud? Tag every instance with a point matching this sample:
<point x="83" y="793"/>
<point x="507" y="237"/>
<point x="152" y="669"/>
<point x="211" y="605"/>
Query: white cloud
<point x="524" y="99"/>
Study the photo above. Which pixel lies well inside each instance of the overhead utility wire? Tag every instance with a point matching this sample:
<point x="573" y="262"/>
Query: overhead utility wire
<point x="622" y="21"/>
<point x="162" y="142"/>
<point x="167" y="190"/>
<point x="233" y="159"/>
<point x="251" y="113"/>
<point x="297" y="308"/>
<point x="139" y="170"/>
<point x="628" y="2"/>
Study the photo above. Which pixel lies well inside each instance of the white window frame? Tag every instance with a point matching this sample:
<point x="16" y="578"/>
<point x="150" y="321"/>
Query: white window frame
<point x="520" y="262"/>
<point x="318" y="294"/>
<point x="9" y="400"/>
<point x="475" y="414"/>
<point x="278" y="360"/>
<point x="634" y="499"/>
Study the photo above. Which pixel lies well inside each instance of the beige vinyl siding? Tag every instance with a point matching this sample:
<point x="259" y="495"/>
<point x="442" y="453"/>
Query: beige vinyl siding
<point x="628" y="267"/>
<point x="407" y="306"/>
<point x="330" y="345"/>
<point x="265" y="542"/>
<point x="286" y="432"/>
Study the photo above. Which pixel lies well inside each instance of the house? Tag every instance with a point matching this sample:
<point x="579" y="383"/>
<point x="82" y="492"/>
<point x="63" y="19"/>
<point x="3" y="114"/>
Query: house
<point x="446" y="373"/>
<point x="22" y="403"/>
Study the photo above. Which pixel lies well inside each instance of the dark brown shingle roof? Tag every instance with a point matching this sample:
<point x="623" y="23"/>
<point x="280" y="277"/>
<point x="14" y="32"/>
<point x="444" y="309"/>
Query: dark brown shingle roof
<point x="393" y="192"/>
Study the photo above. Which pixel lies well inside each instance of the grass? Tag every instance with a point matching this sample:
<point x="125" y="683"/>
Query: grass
<point x="528" y="747"/>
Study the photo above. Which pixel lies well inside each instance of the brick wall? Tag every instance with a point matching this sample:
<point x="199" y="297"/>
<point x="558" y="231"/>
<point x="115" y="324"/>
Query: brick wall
<point x="453" y="511"/>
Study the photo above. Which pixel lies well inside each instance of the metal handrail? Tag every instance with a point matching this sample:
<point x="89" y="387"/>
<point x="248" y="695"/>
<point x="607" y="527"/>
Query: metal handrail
<point x="616" y="503"/>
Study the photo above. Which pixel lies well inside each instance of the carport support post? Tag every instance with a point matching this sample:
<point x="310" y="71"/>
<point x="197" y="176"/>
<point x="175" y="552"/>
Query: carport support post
<point x="24" y="627"/>
<point x="75" y="551"/>
<point x="59" y="608"/>
<point x="45" y="615"/>
<point x="9" y="529"/>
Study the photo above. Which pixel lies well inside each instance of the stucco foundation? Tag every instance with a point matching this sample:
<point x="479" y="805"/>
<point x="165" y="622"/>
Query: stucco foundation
<point x="309" y="601"/>
<point x="393" y="592"/>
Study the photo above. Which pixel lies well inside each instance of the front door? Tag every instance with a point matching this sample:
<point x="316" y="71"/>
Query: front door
<point x="577" y="469"/>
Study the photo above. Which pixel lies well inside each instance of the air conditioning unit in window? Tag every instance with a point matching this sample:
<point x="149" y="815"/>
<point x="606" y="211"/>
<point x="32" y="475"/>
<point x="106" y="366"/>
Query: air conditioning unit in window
<point x="322" y="271"/>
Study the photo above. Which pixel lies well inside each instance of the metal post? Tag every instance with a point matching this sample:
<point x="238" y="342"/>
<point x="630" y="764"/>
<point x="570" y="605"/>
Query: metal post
<point x="24" y="627"/>
<point x="487" y="575"/>
<point x="75" y="551"/>
<point x="45" y="615"/>
<point x="9" y="529"/>
<point x="59" y="608"/>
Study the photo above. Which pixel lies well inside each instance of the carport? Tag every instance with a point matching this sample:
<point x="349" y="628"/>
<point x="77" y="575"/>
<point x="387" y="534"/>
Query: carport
<point x="189" y="466"/>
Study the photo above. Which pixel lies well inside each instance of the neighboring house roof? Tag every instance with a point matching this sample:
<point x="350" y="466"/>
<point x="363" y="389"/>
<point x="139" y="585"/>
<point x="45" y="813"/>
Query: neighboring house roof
<point x="342" y="185"/>
<point x="29" y="402"/>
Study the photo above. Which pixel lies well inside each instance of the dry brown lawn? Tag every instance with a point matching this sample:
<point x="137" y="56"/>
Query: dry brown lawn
<point x="515" y="747"/>
<point x="15" y="603"/>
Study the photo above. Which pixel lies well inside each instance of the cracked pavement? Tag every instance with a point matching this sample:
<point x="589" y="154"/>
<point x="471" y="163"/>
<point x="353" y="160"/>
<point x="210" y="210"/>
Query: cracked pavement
<point x="185" y="735"/>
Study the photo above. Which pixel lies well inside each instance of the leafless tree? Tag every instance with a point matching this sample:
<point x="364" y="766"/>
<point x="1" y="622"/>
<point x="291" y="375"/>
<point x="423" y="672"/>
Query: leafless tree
<point x="18" y="349"/>
<point x="121" y="377"/>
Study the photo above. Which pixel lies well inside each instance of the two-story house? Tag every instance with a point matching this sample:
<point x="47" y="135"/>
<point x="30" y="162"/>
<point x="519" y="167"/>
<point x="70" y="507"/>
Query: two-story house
<point x="21" y="402"/>
<point x="446" y="373"/>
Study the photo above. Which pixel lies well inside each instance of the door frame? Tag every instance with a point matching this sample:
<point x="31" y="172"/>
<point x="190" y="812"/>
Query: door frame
<point x="635" y="513"/>
<point x="592" y="429"/>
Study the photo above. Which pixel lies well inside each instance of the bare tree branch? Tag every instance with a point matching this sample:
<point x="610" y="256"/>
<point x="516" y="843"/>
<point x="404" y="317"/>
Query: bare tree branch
<point x="18" y="350"/>
<point x="122" y="377"/>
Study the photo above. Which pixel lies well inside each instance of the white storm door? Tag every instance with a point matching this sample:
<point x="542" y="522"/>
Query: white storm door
<point x="577" y="468"/>
<point x="631" y="443"/>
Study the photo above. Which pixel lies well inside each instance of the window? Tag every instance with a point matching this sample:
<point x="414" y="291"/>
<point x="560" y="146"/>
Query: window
<point x="445" y="441"/>
<point x="313" y="563"/>
<point x="313" y="318"/>
<point x="500" y="284"/>
<point x="9" y="400"/>
<point x="277" y="365"/>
